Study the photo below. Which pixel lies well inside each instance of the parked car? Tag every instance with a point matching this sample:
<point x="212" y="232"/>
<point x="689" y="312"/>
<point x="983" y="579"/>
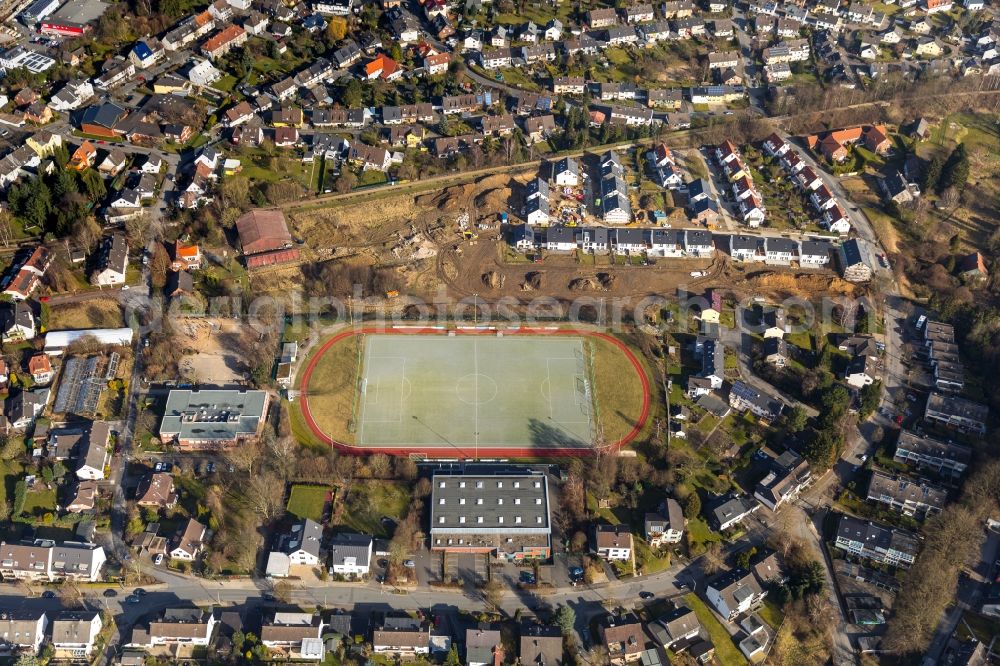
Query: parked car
<point x="158" y="560"/>
<point x="410" y="564"/>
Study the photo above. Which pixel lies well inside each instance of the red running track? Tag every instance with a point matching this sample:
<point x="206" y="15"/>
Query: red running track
<point x="471" y="451"/>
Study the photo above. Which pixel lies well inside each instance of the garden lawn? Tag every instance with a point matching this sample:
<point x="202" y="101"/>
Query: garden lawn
<point x="367" y="502"/>
<point x="726" y="652"/>
<point x="39" y="502"/>
<point x="307" y="501"/>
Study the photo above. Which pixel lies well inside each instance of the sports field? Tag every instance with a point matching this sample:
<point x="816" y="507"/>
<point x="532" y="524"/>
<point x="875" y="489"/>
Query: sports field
<point x="441" y="391"/>
<point x="465" y="394"/>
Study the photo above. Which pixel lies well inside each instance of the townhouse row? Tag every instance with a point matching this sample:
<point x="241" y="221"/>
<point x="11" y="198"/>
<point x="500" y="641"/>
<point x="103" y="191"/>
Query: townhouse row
<point x="658" y="242"/>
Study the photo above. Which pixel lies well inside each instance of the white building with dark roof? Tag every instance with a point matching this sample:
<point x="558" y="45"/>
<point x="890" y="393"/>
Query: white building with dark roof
<point x="504" y="514"/>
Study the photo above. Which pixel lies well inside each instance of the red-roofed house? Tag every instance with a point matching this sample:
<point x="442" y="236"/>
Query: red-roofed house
<point x="224" y="41"/>
<point x="186" y="257"/>
<point x="383" y="67"/>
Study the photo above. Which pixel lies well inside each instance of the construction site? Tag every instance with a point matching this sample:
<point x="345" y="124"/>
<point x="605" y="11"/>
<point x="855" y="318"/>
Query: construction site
<point x="451" y="242"/>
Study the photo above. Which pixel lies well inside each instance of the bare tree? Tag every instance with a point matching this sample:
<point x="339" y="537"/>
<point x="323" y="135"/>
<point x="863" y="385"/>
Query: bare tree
<point x="264" y="494"/>
<point x="246" y="456"/>
<point x="712" y="561"/>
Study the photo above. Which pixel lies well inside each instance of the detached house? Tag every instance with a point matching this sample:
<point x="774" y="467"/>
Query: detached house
<point x="734" y="593"/>
<point x="665" y="527"/>
<point x="113" y="263"/>
<point x="189" y="543"/>
<point x="613" y="542"/>
<point x="623" y="638"/>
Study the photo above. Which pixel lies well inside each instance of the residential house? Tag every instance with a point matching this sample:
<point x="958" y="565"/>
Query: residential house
<point x="401" y="637"/>
<point x="113" y="263"/>
<point x="789" y="473"/>
<point x="871" y="541"/>
<point x="856" y="262"/>
<point x="665" y="527"/>
<point x="93" y="452"/>
<point x="483" y="646"/>
<point x="862" y="371"/>
<point x="295" y="635"/>
<point x="925" y="452"/>
<point x="44" y="560"/>
<point x="541" y="645"/>
<point x="732" y="512"/>
<point x="189" y="541"/>
<point x="734" y="593"/>
<point x="17" y="322"/>
<point x="23" y="630"/>
<point x="623" y="638"/>
<point x="74" y="633"/>
<point x="177" y="627"/>
<point x="156" y="490"/>
<point x="613" y="542"/>
<point x="351" y="554"/>
<point x="911" y="498"/>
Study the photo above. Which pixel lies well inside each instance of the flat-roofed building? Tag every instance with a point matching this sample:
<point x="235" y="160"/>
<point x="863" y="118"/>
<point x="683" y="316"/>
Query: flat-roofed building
<point x="504" y="514"/>
<point x="212" y="418"/>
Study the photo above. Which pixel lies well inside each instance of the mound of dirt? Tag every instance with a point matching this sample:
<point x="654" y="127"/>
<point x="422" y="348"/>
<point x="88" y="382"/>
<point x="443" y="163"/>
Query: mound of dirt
<point x="493" y="280"/>
<point x="532" y="281"/>
<point x="584" y="284"/>
<point x="607" y="280"/>
<point x="799" y="284"/>
<point x="493" y="201"/>
<point x="494" y="181"/>
<point x="448" y="200"/>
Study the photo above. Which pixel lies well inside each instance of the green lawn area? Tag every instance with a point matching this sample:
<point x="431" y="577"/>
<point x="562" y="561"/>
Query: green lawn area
<point x="226" y="83"/>
<point x="726" y="652"/>
<point x="367" y="502"/>
<point x="307" y="501"/>
<point x="648" y="560"/>
<point x="39" y="502"/>
<point x="771" y="613"/>
<point x="698" y="531"/>
<point x="371" y="177"/>
<point x="618" y="56"/>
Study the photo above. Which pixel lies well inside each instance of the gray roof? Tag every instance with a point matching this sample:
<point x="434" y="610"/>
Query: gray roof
<point x="503" y="503"/>
<point x="698" y="237"/>
<point x="358" y="546"/>
<point x="679" y="622"/>
<point x="306" y="536"/>
<point x="933" y="448"/>
<point x="479" y="645"/>
<point x="873" y="536"/>
<point x="74" y="559"/>
<point x="541" y="645"/>
<point x="735" y="586"/>
<point x="731" y="508"/>
<point x="814" y="248"/>
<point x="774" y="244"/>
<point x="73" y="627"/>
<point x="18" y="627"/>
<point x="213" y="414"/>
<point x="94" y="447"/>
<point x="883" y="487"/>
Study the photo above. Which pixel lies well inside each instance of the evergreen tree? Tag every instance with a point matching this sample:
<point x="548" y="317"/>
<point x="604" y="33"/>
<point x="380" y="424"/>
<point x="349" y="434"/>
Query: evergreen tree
<point x="565" y="619"/>
<point x="956" y="170"/>
<point x="932" y="174"/>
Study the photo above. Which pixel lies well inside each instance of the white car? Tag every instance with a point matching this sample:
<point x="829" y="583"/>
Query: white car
<point x="159" y="559"/>
<point x="697" y="273"/>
